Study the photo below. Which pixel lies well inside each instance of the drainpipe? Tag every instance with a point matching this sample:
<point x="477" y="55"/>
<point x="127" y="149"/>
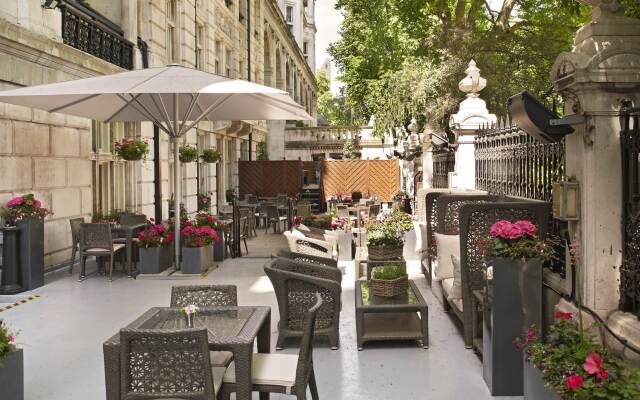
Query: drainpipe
<point x="249" y="64"/>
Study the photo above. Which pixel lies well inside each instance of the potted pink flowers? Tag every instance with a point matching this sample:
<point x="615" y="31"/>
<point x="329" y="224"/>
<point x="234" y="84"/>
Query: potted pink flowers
<point x="131" y="149"/>
<point x="154" y="244"/>
<point x="197" y="250"/>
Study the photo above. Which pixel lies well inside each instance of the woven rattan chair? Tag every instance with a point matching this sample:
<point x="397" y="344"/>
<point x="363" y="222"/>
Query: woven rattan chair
<point x="283" y="373"/>
<point x="245" y="226"/>
<point x="309" y="245"/>
<point x="282" y="200"/>
<point x="295" y="284"/>
<point x="96" y="241"/>
<point x="273" y="218"/>
<point x="251" y="219"/>
<point x="306" y="258"/>
<point x="342" y="211"/>
<point x="207" y="296"/>
<point x="75" y="240"/>
<point x="167" y="364"/>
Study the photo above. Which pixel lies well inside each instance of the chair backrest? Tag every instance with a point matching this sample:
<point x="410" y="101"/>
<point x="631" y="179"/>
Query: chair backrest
<point x="448" y="209"/>
<point x="204" y="295"/>
<point x="132" y="219"/>
<point x="75" y="223"/>
<point x="272" y="211"/>
<point x="306" y="258"/>
<point x="165" y="364"/>
<point x="374" y="210"/>
<point x="96" y="236"/>
<point x="303" y="210"/>
<point x="282" y="199"/>
<point x="305" y="357"/>
<point x="252" y="199"/>
<point x="342" y="211"/>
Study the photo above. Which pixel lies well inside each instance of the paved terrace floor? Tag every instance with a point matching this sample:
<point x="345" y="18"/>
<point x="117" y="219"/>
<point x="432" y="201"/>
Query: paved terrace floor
<point x="63" y="330"/>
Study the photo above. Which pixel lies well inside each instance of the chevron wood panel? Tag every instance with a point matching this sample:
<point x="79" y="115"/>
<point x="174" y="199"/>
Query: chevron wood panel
<point x="379" y="177"/>
<point x="269" y="178"/>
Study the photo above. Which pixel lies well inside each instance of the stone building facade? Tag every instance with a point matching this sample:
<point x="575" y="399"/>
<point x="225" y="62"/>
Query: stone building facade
<point x="68" y="162"/>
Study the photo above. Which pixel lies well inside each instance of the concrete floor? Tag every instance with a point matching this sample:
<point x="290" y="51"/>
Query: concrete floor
<point x="62" y="334"/>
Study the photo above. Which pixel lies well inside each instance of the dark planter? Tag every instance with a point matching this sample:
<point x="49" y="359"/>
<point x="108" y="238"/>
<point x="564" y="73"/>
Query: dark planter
<point x="155" y="260"/>
<point x="534" y="386"/>
<point x="12" y="376"/>
<point x="196" y="260"/>
<point x="514" y="304"/>
<point x="31" y="250"/>
<point x="132" y="157"/>
<point x="218" y="247"/>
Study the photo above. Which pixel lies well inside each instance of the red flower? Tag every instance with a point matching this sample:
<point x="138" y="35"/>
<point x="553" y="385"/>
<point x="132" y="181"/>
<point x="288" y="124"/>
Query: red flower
<point x="10" y="338"/>
<point x="563" y="315"/>
<point x="526" y="227"/>
<point x="603" y="374"/>
<point x="593" y="364"/>
<point x="574" y="381"/>
<point x="530" y="336"/>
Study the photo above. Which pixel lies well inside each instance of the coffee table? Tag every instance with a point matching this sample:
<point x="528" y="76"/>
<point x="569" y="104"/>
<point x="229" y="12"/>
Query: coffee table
<point x="403" y="317"/>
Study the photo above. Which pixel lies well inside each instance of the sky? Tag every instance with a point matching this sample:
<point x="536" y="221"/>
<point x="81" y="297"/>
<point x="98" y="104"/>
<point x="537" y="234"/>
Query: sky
<point x="328" y="21"/>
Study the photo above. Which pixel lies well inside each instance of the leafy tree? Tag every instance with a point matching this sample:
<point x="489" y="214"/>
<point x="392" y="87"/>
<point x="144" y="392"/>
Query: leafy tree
<point x="349" y="150"/>
<point x="334" y="109"/>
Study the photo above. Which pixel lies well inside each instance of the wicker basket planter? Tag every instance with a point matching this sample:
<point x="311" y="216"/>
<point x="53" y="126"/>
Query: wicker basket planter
<point x="385" y="252"/>
<point x="389" y="288"/>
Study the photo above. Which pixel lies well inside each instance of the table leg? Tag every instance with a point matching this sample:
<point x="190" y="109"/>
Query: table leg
<point x="359" y="329"/>
<point x="424" y="320"/>
<point x="128" y="250"/>
<point x="242" y="359"/>
<point x="264" y="343"/>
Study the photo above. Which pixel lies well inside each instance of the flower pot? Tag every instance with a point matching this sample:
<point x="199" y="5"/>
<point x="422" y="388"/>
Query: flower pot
<point x="514" y="304"/>
<point x="154" y="260"/>
<point x="218" y="247"/>
<point x="385" y="252"/>
<point x="31" y="250"/>
<point x="196" y="260"/>
<point x="12" y="376"/>
<point x="534" y="386"/>
<point x="389" y="287"/>
<point x="187" y="159"/>
<point x="132" y="157"/>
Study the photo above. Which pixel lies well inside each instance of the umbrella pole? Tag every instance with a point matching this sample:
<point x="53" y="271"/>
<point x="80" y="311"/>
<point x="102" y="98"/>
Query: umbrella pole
<point x="177" y="205"/>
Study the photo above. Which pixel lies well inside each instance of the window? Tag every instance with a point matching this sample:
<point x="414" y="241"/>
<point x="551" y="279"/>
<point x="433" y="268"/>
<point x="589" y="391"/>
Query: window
<point x="241" y="67"/>
<point x="305" y="50"/>
<point x="244" y="150"/>
<point x="289" y="14"/>
<point x="201" y="40"/>
<point x="218" y="57"/>
<point x="172" y="13"/>
<point x="227" y="63"/>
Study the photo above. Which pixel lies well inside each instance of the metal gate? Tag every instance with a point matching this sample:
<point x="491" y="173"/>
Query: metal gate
<point x="630" y="270"/>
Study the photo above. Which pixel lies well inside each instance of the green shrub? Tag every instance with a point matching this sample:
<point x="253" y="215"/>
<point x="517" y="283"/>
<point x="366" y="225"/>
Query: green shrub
<point x="389" y="272"/>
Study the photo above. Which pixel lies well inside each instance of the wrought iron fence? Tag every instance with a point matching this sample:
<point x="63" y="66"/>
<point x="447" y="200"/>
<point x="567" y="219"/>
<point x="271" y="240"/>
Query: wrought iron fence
<point x="444" y="161"/>
<point x="510" y="162"/>
<point x="630" y="270"/>
<point x="85" y="32"/>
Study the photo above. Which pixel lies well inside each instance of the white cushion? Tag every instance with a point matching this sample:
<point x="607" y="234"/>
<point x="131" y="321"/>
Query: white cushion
<point x="303" y="227"/>
<point x="116" y="247"/>
<point x="448" y="245"/>
<point x="296" y="233"/>
<point x="447" y="286"/>
<point x="268" y="369"/>
<point x="421" y="236"/>
<point x="220" y="358"/>
<point x="218" y="373"/>
<point x="456" y="289"/>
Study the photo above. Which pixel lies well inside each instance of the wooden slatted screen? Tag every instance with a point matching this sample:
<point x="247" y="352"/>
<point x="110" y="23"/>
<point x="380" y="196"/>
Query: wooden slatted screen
<point x="269" y="178"/>
<point x="379" y="177"/>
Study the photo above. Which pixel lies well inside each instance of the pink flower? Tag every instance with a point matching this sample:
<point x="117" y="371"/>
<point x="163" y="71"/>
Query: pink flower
<point x="526" y="227"/>
<point x="530" y="336"/>
<point x="11" y="338"/>
<point x="593" y="364"/>
<point x="505" y="230"/>
<point x="563" y="315"/>
<point x="603" y="374"/>
<point x="16" y="201"/>
<point x="37" y="203"/>
<point x="574" y="381"/>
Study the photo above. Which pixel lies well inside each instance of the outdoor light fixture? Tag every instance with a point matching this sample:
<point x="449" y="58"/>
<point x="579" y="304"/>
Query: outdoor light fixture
<point x="50" y="4"/>
<point x="566" y="201"/>
<point x="530" y="115"/>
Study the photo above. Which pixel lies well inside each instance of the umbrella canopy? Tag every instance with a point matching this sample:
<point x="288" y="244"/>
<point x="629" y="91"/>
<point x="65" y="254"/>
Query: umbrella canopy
<point x="174" y="98"/>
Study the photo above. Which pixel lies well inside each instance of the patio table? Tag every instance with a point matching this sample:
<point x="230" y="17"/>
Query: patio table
<point x="391" y="318"/>
<point x="230" y="328"/>
<point x="127" y="231"/>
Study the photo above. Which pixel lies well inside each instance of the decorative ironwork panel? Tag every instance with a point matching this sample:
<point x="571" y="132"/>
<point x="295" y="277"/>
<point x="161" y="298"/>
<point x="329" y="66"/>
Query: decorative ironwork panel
<point x="86" y="33"/>
<point x="630" y="270"/>
<point x="444" y="161"/>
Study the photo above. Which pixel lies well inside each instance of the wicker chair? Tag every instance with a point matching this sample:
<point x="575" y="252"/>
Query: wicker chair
<point x="342" y="211"/>
<point x="268" y="370"/>
<point x="96" y="241"/>
<point x="273" y="218"/>
<point x="306" y="258"/>
<point x="309" y="245"/>
<point x="303" y="210"/>
<point x="167" y="364"/>
<point x="245" y="226"/>
<point x="295" y="284"/>
<point x="207" y="296"/>
<point x="75" y="240"/>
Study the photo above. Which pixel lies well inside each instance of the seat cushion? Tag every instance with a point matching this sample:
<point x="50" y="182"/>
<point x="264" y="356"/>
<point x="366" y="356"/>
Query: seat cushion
<point x="116" y="247"/>
<point x="218" y="373"/>
<point x="447" y="245"/>
<point x="268" y="369"/>
<point x="456" y="288"/>
<point x="447" y="288"/>
<point x="220" y="358"/>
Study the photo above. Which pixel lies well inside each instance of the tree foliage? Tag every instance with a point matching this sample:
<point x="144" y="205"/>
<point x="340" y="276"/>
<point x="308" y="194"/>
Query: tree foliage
<point x="334" y="109"/>
<point x="402" y="58"/>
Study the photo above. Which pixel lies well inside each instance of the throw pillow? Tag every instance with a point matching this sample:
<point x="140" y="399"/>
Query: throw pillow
<point x="456" y="289"/>
<point x="447" y="245"/>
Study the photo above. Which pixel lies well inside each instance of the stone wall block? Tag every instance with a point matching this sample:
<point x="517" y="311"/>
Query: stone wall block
<point x="57" y="236"/>
<point x="86" y="200"/>
<point x="77" y="122"/>
<point x="6" y="137"/>
<point x="15" y="173"/>
<point x="79" y="172"/>
<point x="44" y="117"/>
<point x="49" y="172"/>
<point x="30" y="138"/>
<point x="66" y="202"/>
<point x="18" y="113"/>
<point x="65" y="141"/>
<point x="86" y="146"/>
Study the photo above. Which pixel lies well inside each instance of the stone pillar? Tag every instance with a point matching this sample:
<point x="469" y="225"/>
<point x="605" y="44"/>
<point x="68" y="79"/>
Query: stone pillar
<point x="470" y="117"/>
<point x="600" y="72"/>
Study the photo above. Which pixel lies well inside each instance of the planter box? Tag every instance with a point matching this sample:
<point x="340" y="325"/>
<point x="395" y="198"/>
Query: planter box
<point x="385" y="252"/>
<point x="196" y="260"/>
<point x="12" y="376"/>
<point x="218" y="247"/>
<point x="514" y="304"/>
<point x="155" y="260"/>
<point x="534" y="385"/>
<point x="31" y="250"/>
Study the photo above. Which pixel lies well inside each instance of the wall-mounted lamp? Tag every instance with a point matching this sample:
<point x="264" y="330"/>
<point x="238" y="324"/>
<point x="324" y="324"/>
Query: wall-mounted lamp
<point x="51" y="4"/>
<point x="566" y="201"/>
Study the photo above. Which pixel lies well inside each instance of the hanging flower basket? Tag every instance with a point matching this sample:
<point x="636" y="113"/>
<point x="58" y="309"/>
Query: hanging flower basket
<point x="211" y="156"/>
<point x="131" y="149"/>
<point x="188" y="154"/>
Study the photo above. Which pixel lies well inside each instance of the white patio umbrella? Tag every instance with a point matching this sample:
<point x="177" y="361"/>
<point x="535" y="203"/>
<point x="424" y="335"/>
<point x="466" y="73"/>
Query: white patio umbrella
<point x="174" y="98"/>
